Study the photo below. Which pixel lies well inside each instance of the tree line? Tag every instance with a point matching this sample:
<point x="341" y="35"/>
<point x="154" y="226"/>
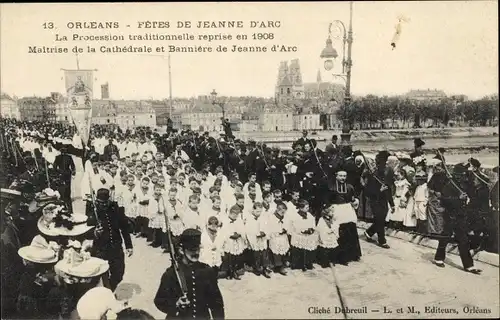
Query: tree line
<point x="374" y="111"/>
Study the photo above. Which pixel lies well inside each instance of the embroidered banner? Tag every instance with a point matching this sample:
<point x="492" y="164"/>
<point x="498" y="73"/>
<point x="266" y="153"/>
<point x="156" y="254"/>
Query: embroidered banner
<point x="79" y="89"/>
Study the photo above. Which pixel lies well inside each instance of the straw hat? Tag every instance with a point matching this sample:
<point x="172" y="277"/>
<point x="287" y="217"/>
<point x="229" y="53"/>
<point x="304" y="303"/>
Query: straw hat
<point x="10" y="194"/>
<point x="85" y="268"/>
<point x="40" y="251"/>
<point x="76" y="223"/>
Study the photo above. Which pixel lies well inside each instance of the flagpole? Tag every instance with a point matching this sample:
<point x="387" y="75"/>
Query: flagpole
<point x="77" y="62"/>
<point x="170" y="86"/>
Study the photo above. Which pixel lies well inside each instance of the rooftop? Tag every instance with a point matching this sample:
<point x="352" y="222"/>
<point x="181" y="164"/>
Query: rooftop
<point x="428" y="92"/>
<point x="109" y="108"/>
<point x="205" y="107"/>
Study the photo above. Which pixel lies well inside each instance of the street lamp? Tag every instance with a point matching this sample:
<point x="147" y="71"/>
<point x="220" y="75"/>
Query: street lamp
<point x="218" y="102"/>
<point x="329" y="54"/>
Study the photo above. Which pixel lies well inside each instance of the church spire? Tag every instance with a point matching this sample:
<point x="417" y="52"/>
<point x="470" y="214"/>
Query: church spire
<point x="318" y="77"/>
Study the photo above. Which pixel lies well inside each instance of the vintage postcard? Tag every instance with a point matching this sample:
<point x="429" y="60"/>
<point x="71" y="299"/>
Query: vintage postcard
<point x="249" y="160"/>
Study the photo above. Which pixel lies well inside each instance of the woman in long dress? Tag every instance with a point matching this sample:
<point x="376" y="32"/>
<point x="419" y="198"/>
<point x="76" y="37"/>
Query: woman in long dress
<point x="435" y="210"/>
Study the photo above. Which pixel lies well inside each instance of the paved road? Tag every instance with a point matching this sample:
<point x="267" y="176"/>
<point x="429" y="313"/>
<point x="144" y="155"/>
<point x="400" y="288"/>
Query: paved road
<point x="397" y="278"/>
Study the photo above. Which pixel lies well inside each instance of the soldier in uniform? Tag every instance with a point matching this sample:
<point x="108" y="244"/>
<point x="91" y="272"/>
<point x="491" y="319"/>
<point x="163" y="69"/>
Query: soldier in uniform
<point x="198" y="296"/>
<point x="111" y="231"/>
<point x="454" y="201"/>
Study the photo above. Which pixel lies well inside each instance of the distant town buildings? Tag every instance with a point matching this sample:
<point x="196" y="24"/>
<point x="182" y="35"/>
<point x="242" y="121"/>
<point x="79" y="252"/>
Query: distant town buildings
<point x="37" y="108"/>
<point x="296" y="105"/>
<point x="9" y="107"/>
<point x="126" y="114"/>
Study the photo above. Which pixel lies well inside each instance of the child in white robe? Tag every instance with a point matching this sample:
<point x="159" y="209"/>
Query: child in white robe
<point x="279" y="227"/>
<point x="268" y="205"/>
<point x="215" y="210"/>
<point x="156" y="208"/>
<point x="251" y="197"/>
<point x="211" y="244"/>
<point x="257" y="236"/>
<point x="328" y="234"/>
<point x="420" y="200"/>
<point x="293" y="203"/>
<point x="234" y="243"/>
<point x="191" y="215"/>
<point x="129" y="196"/>
<point x="252" y="178"/>
<point x="304" y="240"/>
<point x="143" y="194"/>
<point x="174" y="209"/>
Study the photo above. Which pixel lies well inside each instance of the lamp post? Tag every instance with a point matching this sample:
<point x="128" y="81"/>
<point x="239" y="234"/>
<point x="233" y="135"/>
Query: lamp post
<point x="328" y="55"/>
<point x="218" y="102"/>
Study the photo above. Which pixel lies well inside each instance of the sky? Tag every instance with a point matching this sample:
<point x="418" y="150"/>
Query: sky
<point x="449" y="45"/>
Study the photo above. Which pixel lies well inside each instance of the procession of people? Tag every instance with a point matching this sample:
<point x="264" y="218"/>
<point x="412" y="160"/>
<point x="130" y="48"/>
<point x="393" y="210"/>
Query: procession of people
<point x="221" y="207"/>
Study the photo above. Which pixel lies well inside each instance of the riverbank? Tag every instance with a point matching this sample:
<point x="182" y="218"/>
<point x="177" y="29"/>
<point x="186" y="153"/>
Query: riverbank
<point x="372" y="135"/>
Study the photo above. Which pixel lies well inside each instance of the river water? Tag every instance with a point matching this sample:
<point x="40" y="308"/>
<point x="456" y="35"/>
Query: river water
<point x="487" y="157"/>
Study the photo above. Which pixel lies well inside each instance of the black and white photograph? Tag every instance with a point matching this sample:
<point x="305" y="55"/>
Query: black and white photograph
<point x="249" y="160"/>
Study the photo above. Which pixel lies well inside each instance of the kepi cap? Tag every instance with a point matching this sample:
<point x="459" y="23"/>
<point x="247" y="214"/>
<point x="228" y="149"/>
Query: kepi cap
<point x="190" y="239"/>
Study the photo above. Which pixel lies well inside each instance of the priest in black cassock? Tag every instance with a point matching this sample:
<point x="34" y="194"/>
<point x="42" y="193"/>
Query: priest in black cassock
<point x="343" y="204"/>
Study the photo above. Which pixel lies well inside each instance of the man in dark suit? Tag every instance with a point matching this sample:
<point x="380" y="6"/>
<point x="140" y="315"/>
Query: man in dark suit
<point x="332" y="147"/>
<point x="200" y="295"/>
<point x="112" y="230"/>
<point x="65" y="167"/>
<point x="379" y="193"/>
<point x="301" y="141"/>
<point x="251" y="158"/>
<point x="315" y="178"/>
<point x="226" y="125"/>
<point x="417" y="144"/>
<point x="109" y="150"/>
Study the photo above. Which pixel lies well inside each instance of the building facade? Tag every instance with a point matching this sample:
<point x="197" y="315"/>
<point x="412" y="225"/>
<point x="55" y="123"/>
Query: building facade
<point x="278" y="119"/>
<point x="62" y="113"/>
<point x="324" y="91"/>
<point x="202" y="117"/>
<point x="249" y="125"/>
<point x="9" y="107"/>
<point x="306" y="122"/>
<point x="37" y="109"/>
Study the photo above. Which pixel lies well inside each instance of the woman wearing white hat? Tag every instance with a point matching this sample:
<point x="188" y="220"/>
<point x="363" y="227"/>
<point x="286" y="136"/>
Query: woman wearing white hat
<point x="38" y="279"/>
